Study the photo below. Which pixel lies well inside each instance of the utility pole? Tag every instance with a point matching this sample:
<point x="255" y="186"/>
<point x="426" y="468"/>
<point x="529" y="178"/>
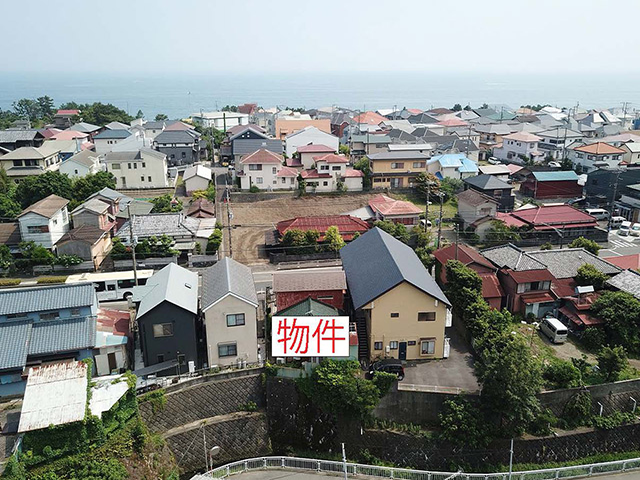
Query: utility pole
<point x="456" y="230"/>
<point x="511" y="459"/>
<point x="344" y="462"/>
<point x="133" y="246"/>
<point x="624" y="110"/>
<point x="440" y="221"/>
<point x="426" y="207"/>
<point x="229" y="217"/>
<point x="613" y="199"/>
<point x="468" y="142"/>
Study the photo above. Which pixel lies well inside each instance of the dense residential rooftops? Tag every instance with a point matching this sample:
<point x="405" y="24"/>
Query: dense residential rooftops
<point x="371" y="118"/>
<point x="462" y="253"/>
<point x="399" y="155"/>
<point x="19" y="135"/>
<point x="549" y="217"/>
<point x="28" y="153"/>
<point x="522" y="137"/>
<point x="37" y="299"/>
<point x="599" y="148"/>
<point x="201" y="208"/>
<point x="84" y="127"/>
<point x="389" y="206"/>
<point x="564" y="262"/>
<point x="491" y="287"/>
<point x="631" y="262"/>
<point x="172" y="284"/>
<point x="133" y="155"/>
<point x="87" y="158"/>
<point x="227" y="277"/>
<point x="311" y="281"/>
<point x="312" y="148"/>
<point x="331" y="158"/>
<point x="172" y="224"/>
<point x="93" y="205"/>
<point x="376" y="262"/>
<point x="197" y="171"/>
<point x="370" y="139"/>
<point x="168" y="137"/>
<point x="47" y="207"/>
<point x="512" y="257"/>
<point x="69" y="135"/>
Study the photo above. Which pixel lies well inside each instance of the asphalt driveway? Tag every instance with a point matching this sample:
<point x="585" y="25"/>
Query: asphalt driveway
<point x="450" y="374"/>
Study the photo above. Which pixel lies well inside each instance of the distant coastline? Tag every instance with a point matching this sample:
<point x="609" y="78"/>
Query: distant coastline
<point x="179" y="95"/>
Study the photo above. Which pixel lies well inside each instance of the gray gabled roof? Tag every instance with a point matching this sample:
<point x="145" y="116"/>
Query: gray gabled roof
<point x="171" y="224"/>
<point x="84" y="127"/>
<point x="38" y="299"/>
<point x="175" y="136"/>
<point x="227" y="277"/>
<point x="17" y="135"/>
<point x="62" y="335"/>
<point x="565" y="262"/>
<point x="248" y="146"/>
<point x="172" y="284"/>
<point x="627" y="281"/>
<point x="376" y="262"/>
<point x="487" y="182"/>
<point x="114" y="134"/>
<point x="14" y="343"/>
<point x="510" y="256"/>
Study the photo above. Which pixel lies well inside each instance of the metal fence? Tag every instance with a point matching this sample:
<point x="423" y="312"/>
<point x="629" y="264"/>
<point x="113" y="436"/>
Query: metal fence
<point x="357" y="470"/>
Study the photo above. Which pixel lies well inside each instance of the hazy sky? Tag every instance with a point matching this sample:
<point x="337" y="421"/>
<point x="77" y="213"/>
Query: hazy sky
<point x="192" y="36"/>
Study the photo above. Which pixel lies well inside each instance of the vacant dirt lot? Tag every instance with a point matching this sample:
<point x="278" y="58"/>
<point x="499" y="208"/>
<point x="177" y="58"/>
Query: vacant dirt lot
<point x="252" y="220"/>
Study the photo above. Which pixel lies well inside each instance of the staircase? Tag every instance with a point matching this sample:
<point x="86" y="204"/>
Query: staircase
<point x="363" y="338"/>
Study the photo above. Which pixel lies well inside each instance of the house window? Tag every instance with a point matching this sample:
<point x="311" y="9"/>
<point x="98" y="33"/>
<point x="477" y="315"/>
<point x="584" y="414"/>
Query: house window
<point x="274" y="170"/>
<point x="395" y="315"/>
<point x="227" y="350"/>
<point x="163" y="330"/>
<point x="397" y="165"/>
<point x="428" y="346"/>
<point x="235" y="319"/>
<point x="129" y="166"/>
<point x="38" y="228"/>
<point x="254" y="166"/>
<point x="335" y="168"/>
<point x="75" y="171"/>
<point x="184" y="154"/>
<point x="426" y="316"/>
<point x="115" y="166"/>
<point x="324" y="167"/>
<point x="418" y="164"/>
<point x="275" y="181"/>
<point x="325" y="183"/>
<point x="144" y="165"/>
<point x="284" y="180"/>
<point x="393" y="345"/>
<point x="50" y="316"/>
<point x="149" y="178"/>
<point x="17" y="163"/>
<point x="326" y="297"/>
<point x="75" y="312"/>
<point x="411" y="343"/>
<point x="142" y="178"/>
<point x="259" y="180"/>
<point x="377" y="345"/>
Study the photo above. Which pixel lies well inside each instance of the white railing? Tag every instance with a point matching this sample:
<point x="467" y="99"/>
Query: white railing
<point x="357" y="470"/>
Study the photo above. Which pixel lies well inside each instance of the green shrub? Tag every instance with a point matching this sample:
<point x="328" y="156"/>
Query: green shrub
<point x="384" y="381"/>
<point x="462" y="424"/>
<point x="612" y="421"/>
<point x="561" y="374"/>
<point x="156" y="398"/>
<point x="52" y="279"/>
<point x="249" y="407"/>
<point x="594" y="338"/>
<point x="543" y="424"/>
<point x="9" y="282"/>
<point x="254" y="189"/>
<point x="578" y="409"/>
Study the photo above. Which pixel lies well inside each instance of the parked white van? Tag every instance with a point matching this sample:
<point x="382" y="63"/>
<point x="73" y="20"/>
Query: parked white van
<point x="554" y="329"/>
<point x="635" y="230"/>
<point x="624" y="229"/>
<point x="598" y="213"/>
<point x="616" y="222"/>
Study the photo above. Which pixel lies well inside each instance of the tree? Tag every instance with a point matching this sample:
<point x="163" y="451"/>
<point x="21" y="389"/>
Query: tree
<point x="46" y="106"/>
<point x="397" y="230"/>
<point x="621" y="313"/>
<point x="214" y="242"/>
<point x="7" y="186"/>
<point x="425" y="256"/>
<point x="102" y="113"/>
<point x="36" y="254"/>
<point x="421" y="237"/>
<point x="590" y="275"/>
<point x="84" y="187"/>
<point x="457" y="107"/>
<point x="464" y="286"/>
<point x="364" y="166"/>
<point x="9" y="208"/>
<point x="461" y="423"/>
<point x="230" y="108"/>
<point x="166" y="204"/>
<point x="333" y="240"/>
<point x="427" y="185"/>
<point x="27" y="109"/>
<point x="119" y="250"/>
<point x="546" y="246"/>
<point x="588" y="245"/>
<point x="561" y="374"/>
<point x="302" y="185"/>
<point x="450" y="186"/>
<point x="566" y="164"/>
<point x="34" y="188"/>
<point x="612" y="361"/>
<point x="6" y="259"/>
<point x="510" y="379"/>
<point x="500" y="233"/>
<point x="160" y="117"/>
<point x="344" y="149"/>
<point x="140" y="114"/>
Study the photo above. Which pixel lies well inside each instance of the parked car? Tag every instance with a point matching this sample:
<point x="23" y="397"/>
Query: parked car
<point x="624" y="229"/>
<point x="389" y="365"/>
<point x="494" y="161"/>
<point x="635" y="230"/>
<point x="598" y="213"/>
<point x="555" y="164"/>
<point x="615" y="222"/>
<point x="554" y="329"/>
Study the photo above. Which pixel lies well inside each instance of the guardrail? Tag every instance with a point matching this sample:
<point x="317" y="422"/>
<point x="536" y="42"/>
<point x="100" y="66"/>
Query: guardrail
<point x="358" y="470"/>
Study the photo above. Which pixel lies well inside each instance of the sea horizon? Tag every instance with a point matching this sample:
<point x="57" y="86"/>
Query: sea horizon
<point x="178" y="96"/>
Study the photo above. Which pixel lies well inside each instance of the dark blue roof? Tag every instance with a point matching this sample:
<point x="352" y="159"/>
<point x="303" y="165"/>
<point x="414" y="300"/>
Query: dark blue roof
<point x="113" y="134"/>
<point x="376" y="262"/>
<point x="38" y="299"/>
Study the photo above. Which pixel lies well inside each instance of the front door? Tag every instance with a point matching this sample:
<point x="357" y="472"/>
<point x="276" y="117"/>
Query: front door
<point x="447" y="348"/>
<point x="112" y="361"/>
<point x="402" y="351"/>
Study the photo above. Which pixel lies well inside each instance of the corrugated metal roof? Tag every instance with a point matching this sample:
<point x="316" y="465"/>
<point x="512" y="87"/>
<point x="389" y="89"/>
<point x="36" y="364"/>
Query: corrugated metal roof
<point x="113" y="134"/>
<point x="227" y="277"/>
<point x="309" y="307"/>
<point x="247" y="146"/>
<point x="555" y="176"/>
<point x="172" y="284"/>
<point x="308" y="281"/>
<point x="14" y="338"/>
<point x="62" y="335"/>
<point x="376" y="262"/>
<point x="38" y="299"/>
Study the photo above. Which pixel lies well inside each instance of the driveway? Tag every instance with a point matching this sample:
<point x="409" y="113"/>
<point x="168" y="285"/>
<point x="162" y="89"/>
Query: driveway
<point x="450" y="374"/>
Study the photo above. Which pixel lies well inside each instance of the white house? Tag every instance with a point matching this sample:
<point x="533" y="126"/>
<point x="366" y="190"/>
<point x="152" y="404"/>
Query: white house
<point x="309" y="136"/>
<point x="632" y="152"/>
<point x="588" y="155"/>
<point x="45" y="222"/>
<point x="329" y="171"/>
<point x="196" y="177"/>
<point x="143" y="168"/>
<point x="308" y="152"/>
<point x="81" y="164"/>
<point x="518" y="144"/>
<point x="265" y="170"/>
<point x="230" y="308"/>
<point x="26" y="161"/>
<point x="220" y="120"/>
<point x="153" y="129"/>
<point x="106" y="139"/>
<point x="452" y="165"/>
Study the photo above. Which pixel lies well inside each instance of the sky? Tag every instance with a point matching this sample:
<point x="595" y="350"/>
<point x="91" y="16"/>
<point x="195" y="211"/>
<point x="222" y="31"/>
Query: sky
<point x="239" y="36"/>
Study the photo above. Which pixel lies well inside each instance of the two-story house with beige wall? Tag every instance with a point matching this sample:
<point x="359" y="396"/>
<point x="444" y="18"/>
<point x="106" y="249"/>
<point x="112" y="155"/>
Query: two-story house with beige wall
<point x="396" y="169"/>
<point x="95" y="213"/>
<point x="26" y="161"/>
<point x="45" y="222"/>
<point x="230" y="309"/>
<point x="265" y="170"/>
<point x="142" y="168"/>
<point x="403" y="308"/>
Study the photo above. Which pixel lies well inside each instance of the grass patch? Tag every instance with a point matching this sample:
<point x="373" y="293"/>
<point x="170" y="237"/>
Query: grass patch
<point x="9" y="282"/>
<point x="51" y="279"/>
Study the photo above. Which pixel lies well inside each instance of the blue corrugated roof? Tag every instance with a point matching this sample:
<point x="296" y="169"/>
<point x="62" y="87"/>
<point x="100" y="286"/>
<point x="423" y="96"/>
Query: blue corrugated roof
<point x="449" y="160"/>
<point x="38" y="299"/>
<point x="14" y="338"/>
<point x="556" y="176"/>
<point x="468" y="166"/>
<point x="376" y="262"/>
<point x="62" y="335"/>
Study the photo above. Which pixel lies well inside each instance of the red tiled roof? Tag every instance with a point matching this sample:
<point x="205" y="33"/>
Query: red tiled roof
<point x="287" y="172"/>
<point x="414" y="111"/>
<point x="347" y="225"/>
<point x="564" y="287"/>
<point x="580" y="318"/>
<point x="510" y="220"/>
<point x="599" y="148"/>
<point x="452" y="122"/>
<point x="293" y="162"/>
<point x="527" y="276"/>
<point x="247" y="108"/>
<point x="69" y="135"/>
<point x="371" y="118"/>
<point x="554" y="215"/>
<point x="331" y="158"/>
<point x="513" y="168"/>
<point x="630" y="262"/>
<point x="314" y="174"/>
<point x="465" y="254"/>
<point x="314" y="148"/>
<point x="67" y="112"/>
<point x="539" y="297"/>
<point x="115" y="321"/>
<point x="49" y="132"/>
<point x="389" y="206"/>
<point x="262" y="156"/>
<point x="201" y="208"/>
<point x="491" y="286"/>
<point x="352" y="173"/>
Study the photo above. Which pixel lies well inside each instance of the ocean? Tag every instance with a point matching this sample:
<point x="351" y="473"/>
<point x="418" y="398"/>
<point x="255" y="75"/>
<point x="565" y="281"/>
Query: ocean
<point x="180" y="95"/>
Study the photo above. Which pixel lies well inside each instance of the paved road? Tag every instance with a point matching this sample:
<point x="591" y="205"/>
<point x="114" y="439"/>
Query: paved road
<point x="618" y="245"/>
